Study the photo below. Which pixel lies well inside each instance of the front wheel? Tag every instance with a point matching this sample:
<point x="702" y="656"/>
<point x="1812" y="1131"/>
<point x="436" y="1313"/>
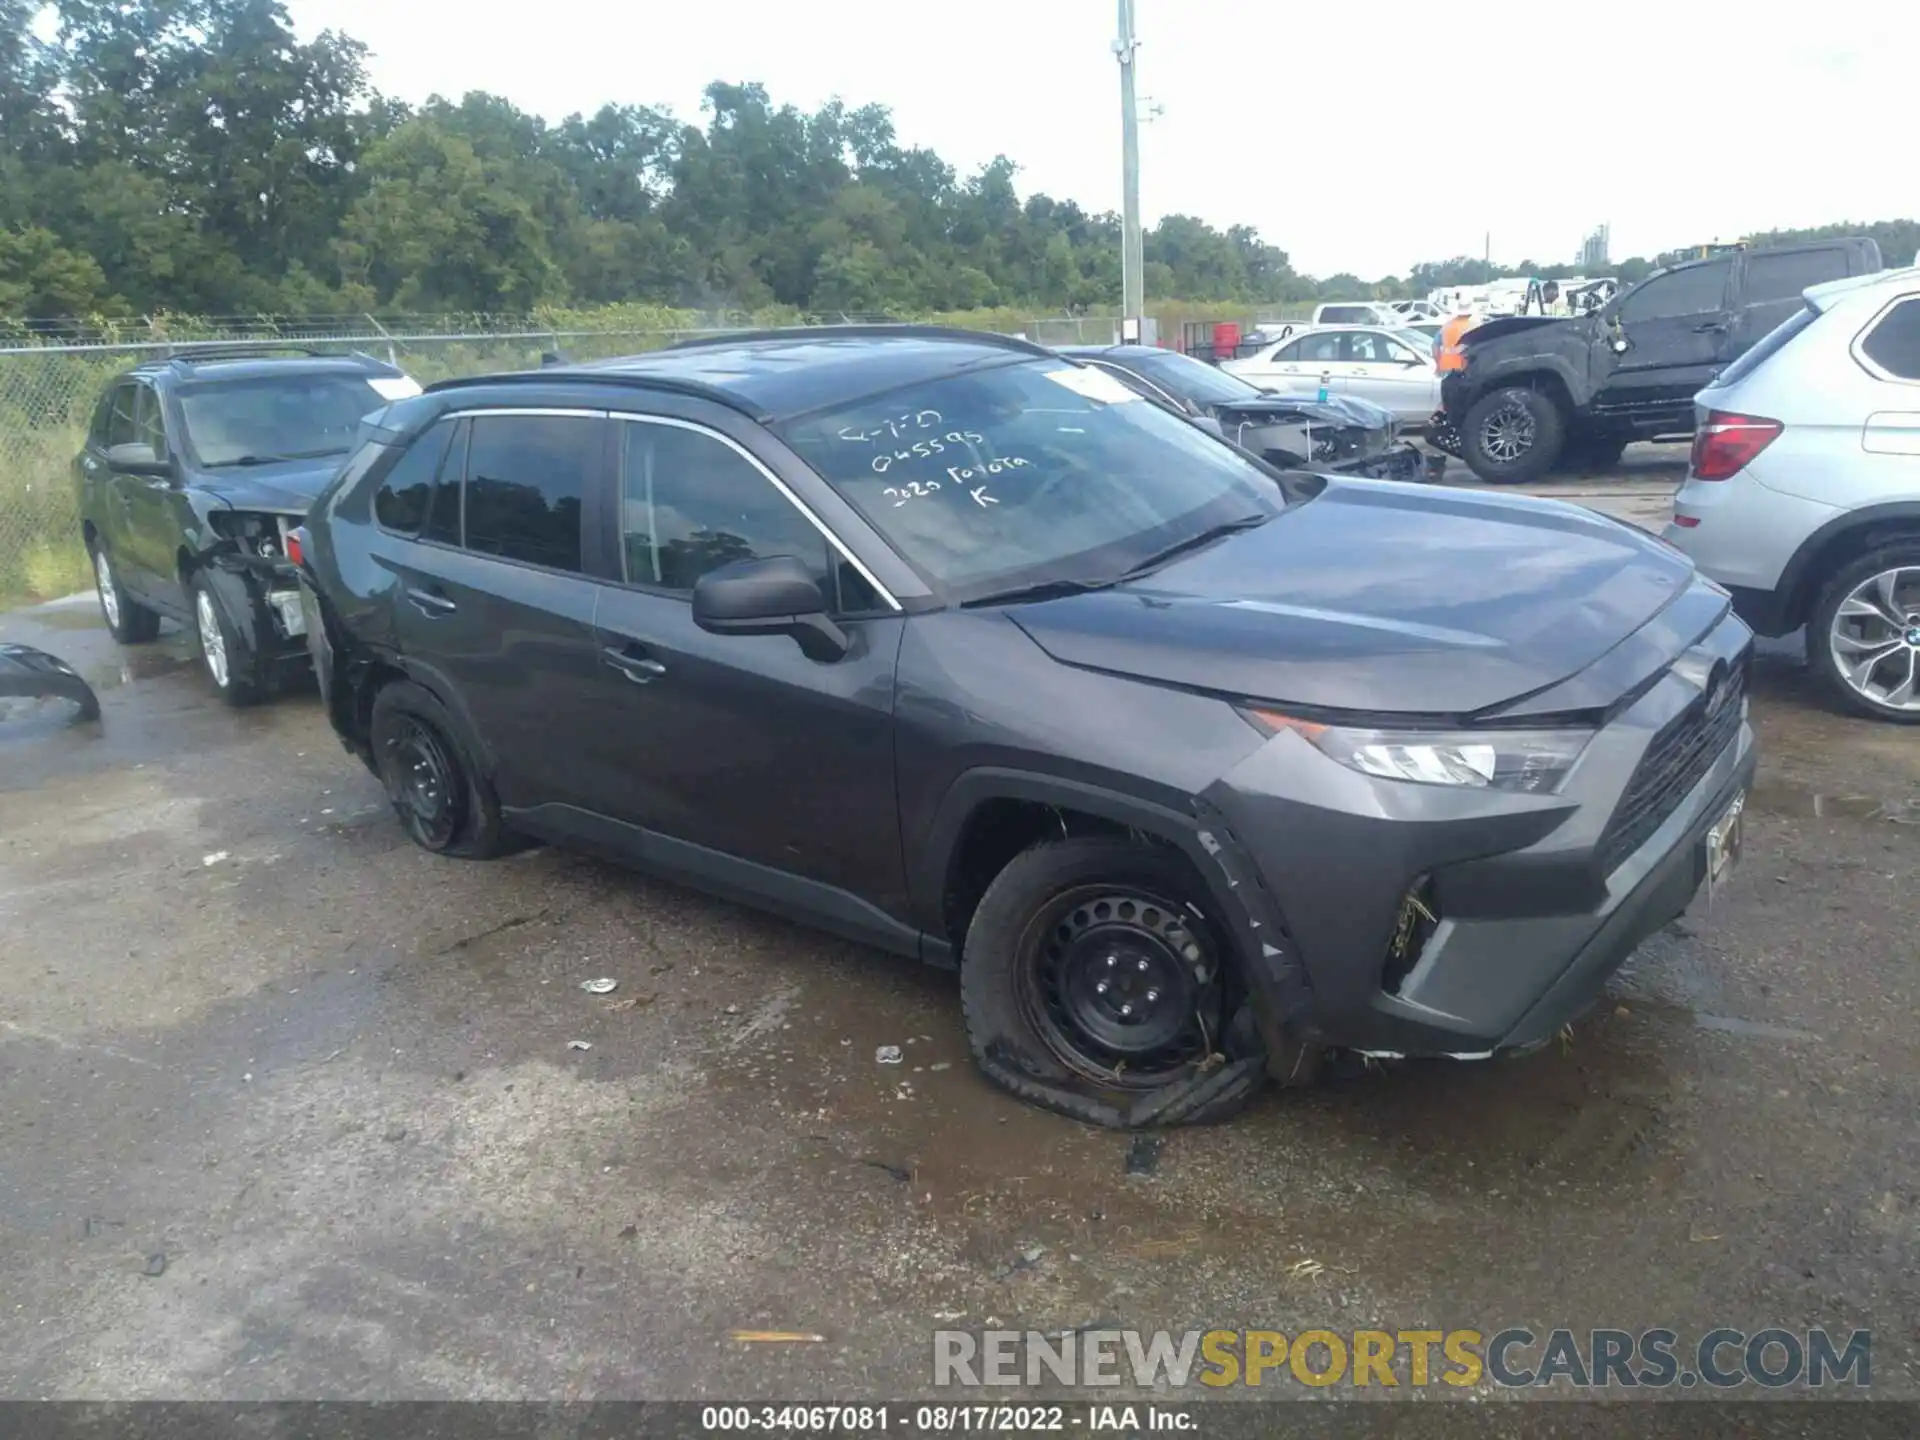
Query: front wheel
<point x="233" y="661"/>
<point x="1512" y="436"/>
<point x="1863" y="638"/>
<point x="1094" y="985"/>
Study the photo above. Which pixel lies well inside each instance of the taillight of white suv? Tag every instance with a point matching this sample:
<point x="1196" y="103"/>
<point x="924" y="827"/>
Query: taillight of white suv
<point x="1725" y="443"/>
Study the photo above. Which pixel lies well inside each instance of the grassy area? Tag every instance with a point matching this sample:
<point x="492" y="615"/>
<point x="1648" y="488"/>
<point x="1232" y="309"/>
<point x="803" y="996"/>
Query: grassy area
<point x="46" y="399"/>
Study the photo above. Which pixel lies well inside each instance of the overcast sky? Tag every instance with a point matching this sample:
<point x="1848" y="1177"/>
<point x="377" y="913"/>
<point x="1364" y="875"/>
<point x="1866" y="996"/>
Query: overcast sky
<point x="1356" y="136"/>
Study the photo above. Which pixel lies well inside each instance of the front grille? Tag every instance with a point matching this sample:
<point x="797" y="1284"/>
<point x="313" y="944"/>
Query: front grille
<point x="1680" y="754"/>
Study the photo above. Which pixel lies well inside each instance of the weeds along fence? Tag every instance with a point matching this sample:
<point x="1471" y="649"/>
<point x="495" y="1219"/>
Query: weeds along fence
<point x="52" y="377"/>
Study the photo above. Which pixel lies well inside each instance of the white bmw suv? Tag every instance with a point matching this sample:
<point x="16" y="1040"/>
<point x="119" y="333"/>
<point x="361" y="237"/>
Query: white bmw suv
<point x="1803" y="495"/>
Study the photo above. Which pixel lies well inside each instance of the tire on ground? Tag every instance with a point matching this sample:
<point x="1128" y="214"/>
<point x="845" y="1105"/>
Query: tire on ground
<point x="1820" y="653"/>
<point x="136" y="623"/>
<point x="410" y="727"/>
<point x="1549" y="434"/>
<point x="247" y="680"/>
<point x="1010" y="1048"/>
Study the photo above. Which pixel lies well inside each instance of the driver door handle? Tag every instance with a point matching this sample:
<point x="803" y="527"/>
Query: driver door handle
<point x="430" y="604"/>
<point x="641" y="669"/>
<point x="1710" y="326"/>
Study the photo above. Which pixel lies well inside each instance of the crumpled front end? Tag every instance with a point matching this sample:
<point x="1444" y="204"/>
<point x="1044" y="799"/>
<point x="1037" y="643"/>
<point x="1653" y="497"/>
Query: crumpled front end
<point x="1340" y="435"/>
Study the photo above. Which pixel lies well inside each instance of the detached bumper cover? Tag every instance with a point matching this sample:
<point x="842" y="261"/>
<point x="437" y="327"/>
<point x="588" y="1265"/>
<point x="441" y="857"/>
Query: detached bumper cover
<point x="34" y="674"/>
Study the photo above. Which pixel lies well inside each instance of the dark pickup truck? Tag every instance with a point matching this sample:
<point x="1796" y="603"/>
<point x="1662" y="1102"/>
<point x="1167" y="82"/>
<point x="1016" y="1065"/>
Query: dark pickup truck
<point x="1538" y="391"/>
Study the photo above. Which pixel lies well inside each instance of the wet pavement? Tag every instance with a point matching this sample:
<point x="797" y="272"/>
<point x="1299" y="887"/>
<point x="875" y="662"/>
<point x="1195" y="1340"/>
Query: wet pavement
<point x="293" y="1109"/>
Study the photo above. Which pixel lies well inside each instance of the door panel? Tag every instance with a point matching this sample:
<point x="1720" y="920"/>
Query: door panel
<point x="1678" y="330"/>
<point x="1377" y="371"/>
<point x="495" y="611"/>
<point x="740" y="744"/>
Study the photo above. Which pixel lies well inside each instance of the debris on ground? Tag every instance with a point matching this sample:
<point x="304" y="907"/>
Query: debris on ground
<point x="888" y="1055"/>
<point x="1143" y="1156"/>
<point x="1027" y="1259"/>
<point x="604" y="985"/>
<point x="628" y="1232"/>
<point x="632" y="1002"/>
<point x="902" y="1173"/>
<point x="395" y="1133"/>
<point x="579" y="1045"/>
<point x="156" y="1264"/>
<point x="1305" y="1269"/>
<point x="777" y="1337"/>
<point x="215" y="858"/>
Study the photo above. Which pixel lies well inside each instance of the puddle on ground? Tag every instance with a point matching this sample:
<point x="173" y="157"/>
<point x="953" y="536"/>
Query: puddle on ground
<point x="135" y="665"/>
<point x="68" y="617"/>
<point x="1803" y="802"/>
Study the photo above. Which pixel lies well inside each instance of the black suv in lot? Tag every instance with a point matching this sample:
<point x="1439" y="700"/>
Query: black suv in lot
<point x="1193" y="767"/>
<point x="193" y="470"/>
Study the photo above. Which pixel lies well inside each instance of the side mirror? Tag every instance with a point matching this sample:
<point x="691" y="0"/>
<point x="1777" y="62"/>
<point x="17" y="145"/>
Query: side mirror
<point x="774" y="596"/>
<point x="136" y="457"/>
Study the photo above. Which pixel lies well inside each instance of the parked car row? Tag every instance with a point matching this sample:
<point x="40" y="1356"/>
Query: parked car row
<point x="1193" y="766"/>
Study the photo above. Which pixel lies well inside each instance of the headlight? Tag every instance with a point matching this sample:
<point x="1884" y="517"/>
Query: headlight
<point x="1533" y="762"/>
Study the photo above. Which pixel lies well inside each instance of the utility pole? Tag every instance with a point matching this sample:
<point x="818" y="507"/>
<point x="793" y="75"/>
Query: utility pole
<point x="1132" y="252"/>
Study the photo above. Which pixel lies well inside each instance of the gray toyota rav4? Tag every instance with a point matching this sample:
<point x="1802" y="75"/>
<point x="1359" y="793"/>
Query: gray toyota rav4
<point x="1195" y="769"/>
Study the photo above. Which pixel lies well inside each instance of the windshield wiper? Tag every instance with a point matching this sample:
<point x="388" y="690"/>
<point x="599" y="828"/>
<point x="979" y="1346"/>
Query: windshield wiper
<point x="1041" y="590"/>
<point x="275" y="459"/>
<point x="1194" y="542"/>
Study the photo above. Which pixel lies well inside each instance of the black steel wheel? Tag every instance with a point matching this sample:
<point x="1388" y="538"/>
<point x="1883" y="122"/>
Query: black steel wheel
<point x="1121" y="984"/>
<point x="424" y="784"/>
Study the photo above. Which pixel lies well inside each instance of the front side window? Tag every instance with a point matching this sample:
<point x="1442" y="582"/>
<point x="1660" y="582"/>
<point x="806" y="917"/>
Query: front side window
<point x="151" y="425"/>
<point x="275" y="417"/>
<point x="1696" y="290"/>
<point x="123" y="424"/>
<point x="998" y="478"/>
<point x="526" y="479"/>
<point x="690" y="503"/>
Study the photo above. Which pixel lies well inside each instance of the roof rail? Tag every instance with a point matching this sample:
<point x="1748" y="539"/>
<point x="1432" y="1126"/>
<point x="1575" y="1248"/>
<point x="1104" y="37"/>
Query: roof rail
<point x="867" y="332"/>
<point x="622" y="379"/>
<point x="191" y="354"/>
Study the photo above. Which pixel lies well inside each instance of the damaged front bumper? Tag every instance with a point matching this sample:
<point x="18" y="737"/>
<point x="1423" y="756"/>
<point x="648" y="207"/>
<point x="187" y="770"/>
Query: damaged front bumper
<point x="33" y="674"/>
<point x="1402" y="462"/>
<point x="1403" y="919"/>
<point x="262" y="593"/>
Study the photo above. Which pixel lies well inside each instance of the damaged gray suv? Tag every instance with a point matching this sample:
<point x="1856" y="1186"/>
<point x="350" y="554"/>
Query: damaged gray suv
<point x="1195" y="769"/>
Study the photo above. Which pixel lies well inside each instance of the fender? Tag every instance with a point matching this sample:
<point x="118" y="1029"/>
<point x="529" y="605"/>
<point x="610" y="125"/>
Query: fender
<point x="1794" y="591"/>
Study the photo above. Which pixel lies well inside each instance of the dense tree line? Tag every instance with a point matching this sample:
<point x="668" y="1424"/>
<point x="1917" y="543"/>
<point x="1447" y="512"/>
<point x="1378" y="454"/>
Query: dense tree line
<point x="195" y="156"/>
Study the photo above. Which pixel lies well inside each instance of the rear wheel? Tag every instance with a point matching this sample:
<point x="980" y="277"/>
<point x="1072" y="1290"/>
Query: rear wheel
<point x="1512" y="436"/>
<point x="432" y="781"/>
<point x="1863" y="638"/>
<point x="128" y="621"/>
<point x="1093" y="985"/>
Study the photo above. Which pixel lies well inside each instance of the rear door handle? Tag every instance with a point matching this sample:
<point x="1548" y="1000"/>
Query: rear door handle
<point x="428" y="603"/>
<point x="640" y="669"/>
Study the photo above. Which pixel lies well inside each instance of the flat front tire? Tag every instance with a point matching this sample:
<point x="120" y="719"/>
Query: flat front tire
<point x="1094" y="985"/>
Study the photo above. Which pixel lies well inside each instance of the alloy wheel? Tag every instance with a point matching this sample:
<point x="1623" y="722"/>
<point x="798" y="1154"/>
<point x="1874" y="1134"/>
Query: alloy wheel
<point x="1117" y="984"/>
<point x="1875" y="639"/>
<point x="103" y="582"/>
<point x="1507" y="434"/>
<point x="213" y="640"/>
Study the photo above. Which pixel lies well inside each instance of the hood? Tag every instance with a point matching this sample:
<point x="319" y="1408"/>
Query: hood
<point x="1381" y="599"/>
<point x="286" y="487"/>
<point x="1512" y="325"/>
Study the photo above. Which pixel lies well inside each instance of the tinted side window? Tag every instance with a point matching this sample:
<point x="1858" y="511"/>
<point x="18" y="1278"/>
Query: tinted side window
<point x="152" y="425"/>
<point x="443" y="517"/>
<point x="1894" y="343"/>
<point x="401" y="503"/>
<point x="1694" y="291"/>
<point x="691" y="503"/>
<point x="123" y="425"/>
<point x="1783" y="277"/>
<point x="102" y="421"/>
<point x="526" y="475"/>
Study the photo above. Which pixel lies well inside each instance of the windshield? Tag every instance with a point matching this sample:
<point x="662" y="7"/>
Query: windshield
<point x="998" y="479"/>
<point x="1192" y="380"/>
<point x="277" y="417"/>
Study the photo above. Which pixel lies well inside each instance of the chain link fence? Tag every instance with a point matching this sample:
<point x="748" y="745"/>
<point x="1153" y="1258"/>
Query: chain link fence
<point x="51" y="380"/>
